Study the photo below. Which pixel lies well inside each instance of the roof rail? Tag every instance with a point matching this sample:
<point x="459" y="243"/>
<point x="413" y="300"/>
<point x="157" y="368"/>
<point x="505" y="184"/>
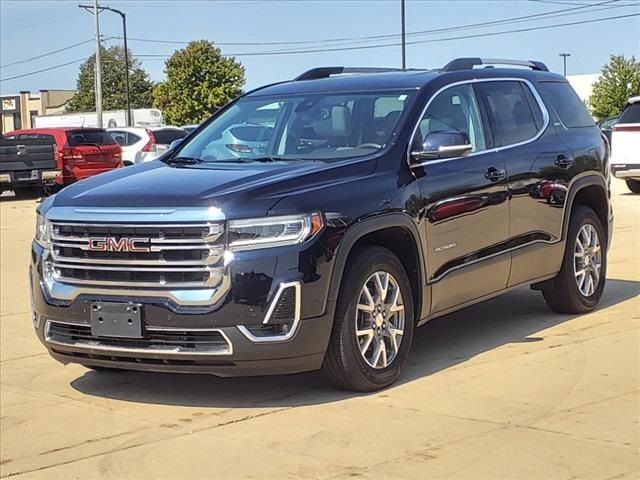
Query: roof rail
<point x="469" y="63"/>
<point x="326" y="72"/>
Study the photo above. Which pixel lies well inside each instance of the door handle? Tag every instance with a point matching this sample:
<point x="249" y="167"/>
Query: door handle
<point x="495" y="174"/>
<point x="563" y="161"/>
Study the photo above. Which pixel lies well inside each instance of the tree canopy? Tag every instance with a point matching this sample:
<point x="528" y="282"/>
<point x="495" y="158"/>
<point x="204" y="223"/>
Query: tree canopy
<point x="199" y="80"/>
<point x="114" y="96"/>
<point x="619" y="80"/>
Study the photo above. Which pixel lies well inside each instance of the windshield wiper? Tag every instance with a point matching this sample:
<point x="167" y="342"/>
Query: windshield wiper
<point x="184" y="160"/>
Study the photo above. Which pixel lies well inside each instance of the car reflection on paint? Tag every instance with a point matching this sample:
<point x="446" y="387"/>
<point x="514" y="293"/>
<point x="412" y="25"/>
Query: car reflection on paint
<point x="554" y="192"/>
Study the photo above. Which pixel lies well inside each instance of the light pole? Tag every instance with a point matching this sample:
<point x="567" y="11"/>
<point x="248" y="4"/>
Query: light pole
<point x="95" y="8"/>
<point x="564" y="62"/>
<point x="404" y="44"/>
<point x="126" y="57"/>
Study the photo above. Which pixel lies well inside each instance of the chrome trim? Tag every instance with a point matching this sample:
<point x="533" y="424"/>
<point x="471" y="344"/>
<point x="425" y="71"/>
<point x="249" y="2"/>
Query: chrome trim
<point x="534" y="92"/>
<point x="296" y="320"/>
<point x="102" y="348"/>
<point x="184" y="297"/>
<point x="158" y="269"/>
<point x="180" y="216"/>
<point x="161" y="263"/>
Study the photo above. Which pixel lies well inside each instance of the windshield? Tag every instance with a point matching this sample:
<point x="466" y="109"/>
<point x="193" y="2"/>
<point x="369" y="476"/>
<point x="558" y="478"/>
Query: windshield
<point x="314" y="126"/>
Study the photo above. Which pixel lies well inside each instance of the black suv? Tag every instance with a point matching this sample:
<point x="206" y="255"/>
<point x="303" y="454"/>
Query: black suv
<point x="317" y="222"/>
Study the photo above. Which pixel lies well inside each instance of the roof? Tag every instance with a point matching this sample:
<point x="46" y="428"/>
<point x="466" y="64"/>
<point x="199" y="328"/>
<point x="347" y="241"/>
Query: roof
<point x="54" y="129"/>
<point x="396" y="80"/>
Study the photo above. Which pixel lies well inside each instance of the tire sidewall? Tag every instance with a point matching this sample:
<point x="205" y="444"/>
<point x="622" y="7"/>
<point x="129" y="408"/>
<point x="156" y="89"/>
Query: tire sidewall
<point x="582" y="217"/>
<point x="372" y="260"/>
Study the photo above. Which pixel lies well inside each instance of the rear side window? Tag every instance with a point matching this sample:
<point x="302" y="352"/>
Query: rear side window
<point x="76" y="138"/>
<point x="514" y="115"/>
<point x="165" y="137"/>
<point x="631" y="114"/>
<point x="572" y="112"/>
<point x="123" y="138"/>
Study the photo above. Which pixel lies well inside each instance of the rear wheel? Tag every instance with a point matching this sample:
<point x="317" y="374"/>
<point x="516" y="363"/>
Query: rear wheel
<point x="374" y="323"/>
<point x="634" y="185"/>
<point x="580" y="283"/>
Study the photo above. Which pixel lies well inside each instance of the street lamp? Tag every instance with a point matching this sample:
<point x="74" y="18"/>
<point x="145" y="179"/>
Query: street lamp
<point x="404" y="43"/>
<point x="126" y="53"/>
<point x="564" y="62"/>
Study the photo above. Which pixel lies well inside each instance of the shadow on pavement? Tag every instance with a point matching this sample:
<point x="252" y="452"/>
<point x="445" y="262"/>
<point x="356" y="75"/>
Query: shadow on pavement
<point x="515" y="317"/>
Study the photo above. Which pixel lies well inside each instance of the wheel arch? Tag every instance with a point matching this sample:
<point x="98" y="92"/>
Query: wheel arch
<point x="590" y="191"/>
<point x="396" y="232"/>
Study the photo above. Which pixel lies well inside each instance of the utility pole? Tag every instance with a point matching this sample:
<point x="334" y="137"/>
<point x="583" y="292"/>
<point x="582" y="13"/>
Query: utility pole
<point x="98" y="86"/>
<point x="564" y="62"/>
<point x="404" y="43"/>
<point x="126" y="53"/>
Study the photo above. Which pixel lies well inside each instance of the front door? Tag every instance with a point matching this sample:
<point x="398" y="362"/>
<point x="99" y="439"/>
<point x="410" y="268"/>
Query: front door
<point x="466" y="205"/>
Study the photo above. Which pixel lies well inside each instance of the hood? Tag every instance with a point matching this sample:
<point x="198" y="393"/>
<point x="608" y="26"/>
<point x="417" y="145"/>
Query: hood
<point x="252" y="188"/>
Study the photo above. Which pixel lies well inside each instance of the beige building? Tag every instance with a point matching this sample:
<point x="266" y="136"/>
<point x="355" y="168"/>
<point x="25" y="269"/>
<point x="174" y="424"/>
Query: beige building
<point x="18" y="111"/>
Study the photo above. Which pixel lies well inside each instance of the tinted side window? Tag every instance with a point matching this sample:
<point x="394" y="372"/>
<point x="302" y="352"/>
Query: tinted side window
<point x="567" y="104"/>
<point x="631" y="114"/>
<point x="453" y="110"/>
<point x="165" y="137"/>
<point x="514" y="118"/>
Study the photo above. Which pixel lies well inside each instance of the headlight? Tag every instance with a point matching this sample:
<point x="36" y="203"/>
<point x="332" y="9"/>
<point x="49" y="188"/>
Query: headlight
<point x="42" y="231"/>
<point x="267" y="232"/>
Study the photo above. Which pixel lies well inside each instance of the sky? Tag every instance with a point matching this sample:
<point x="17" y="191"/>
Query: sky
<point x="30" y="28"/>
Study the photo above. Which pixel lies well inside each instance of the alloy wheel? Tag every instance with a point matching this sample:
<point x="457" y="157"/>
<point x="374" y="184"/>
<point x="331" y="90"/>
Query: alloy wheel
<point x="587" y="260"/>
<point x="380" y="317"/>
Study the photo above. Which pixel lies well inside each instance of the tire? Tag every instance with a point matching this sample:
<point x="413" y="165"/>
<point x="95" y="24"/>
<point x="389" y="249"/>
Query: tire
<point x="344" y="364"/>
<point x="563" y="294"/>
<point x="634" y="185"/>
<point x="24" y="193"/>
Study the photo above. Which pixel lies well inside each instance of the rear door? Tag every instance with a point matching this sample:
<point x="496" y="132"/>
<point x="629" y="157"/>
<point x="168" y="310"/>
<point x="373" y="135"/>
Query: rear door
<point x="539" y="166"/>
<point x="466" y="202"/>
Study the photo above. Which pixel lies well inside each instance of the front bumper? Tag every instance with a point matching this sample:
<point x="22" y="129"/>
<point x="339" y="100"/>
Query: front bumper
<point x="626" y="171"/>
<point x="238" y="316"/>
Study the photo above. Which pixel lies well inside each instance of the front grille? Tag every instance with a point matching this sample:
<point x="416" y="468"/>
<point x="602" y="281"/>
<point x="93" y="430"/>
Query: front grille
<point x="137" y="255"/>
<point x="211" y="342"/>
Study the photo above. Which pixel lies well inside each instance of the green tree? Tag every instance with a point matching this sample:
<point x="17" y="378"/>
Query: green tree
<point x="619" y="80"/>
<point x="199" y="81"/>
<point x="114" y="93"/>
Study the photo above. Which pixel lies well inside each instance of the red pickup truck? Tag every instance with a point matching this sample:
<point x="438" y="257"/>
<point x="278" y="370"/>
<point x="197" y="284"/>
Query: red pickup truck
<point x="81" y="152"/>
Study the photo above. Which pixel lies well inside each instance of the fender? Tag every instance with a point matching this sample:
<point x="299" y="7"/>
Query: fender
<point x="581" y="182"/>
<point x="371" y="225"/>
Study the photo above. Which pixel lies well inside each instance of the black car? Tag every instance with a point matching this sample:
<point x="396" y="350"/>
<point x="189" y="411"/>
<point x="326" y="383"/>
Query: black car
<point x="381" y="200"/>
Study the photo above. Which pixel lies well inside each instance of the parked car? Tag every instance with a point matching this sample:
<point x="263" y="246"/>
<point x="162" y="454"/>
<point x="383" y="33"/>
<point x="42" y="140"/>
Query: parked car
<point x="607" y="124"/>
<point x="378" y="200"/>
<point x="29" y="167"/>
<point x="625" y="145"/>
<point x="82" y="152"/>
<point x="143" y="144"/>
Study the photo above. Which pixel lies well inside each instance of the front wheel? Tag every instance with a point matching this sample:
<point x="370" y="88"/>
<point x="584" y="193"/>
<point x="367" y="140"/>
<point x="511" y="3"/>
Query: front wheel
<point x="633" y="185"/>
<point x="580" y="282"/>
<point x="374" y="323"/>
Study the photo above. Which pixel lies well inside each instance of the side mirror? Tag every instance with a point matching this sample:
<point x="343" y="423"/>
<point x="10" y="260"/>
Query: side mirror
<point x="443" y="145"/>
<point x="175" y="143"/>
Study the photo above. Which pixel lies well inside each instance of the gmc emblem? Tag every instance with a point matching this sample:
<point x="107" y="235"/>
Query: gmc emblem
<point x="111" y="244"/>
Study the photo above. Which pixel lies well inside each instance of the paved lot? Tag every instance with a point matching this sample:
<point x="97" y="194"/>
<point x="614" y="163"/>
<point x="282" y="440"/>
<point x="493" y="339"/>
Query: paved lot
<point x="504" y="389"/>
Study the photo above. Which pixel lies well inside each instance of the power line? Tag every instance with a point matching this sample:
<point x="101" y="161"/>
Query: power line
<point x="415" y="42"/>
<point x="393" y="35"/>
<point x="26" y="60"/>
<point x="42" y="70"/>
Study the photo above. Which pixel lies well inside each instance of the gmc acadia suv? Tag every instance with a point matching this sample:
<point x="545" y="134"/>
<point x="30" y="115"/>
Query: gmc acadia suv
<point x="363" y="203"/>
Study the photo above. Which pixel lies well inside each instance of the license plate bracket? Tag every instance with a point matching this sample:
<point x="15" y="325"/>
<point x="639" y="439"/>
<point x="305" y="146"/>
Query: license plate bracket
<point x="122" y="320"/>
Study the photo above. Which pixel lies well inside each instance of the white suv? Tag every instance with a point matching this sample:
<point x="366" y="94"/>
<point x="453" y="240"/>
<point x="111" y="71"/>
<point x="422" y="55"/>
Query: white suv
<point x="143" y="144"/>
<point x="625" y="146"/>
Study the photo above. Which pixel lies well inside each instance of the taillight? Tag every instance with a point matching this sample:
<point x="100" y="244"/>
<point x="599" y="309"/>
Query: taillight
<point x="151" y="144"/>
<point x="238" y="148"/>
<point x="69" y="154"/>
